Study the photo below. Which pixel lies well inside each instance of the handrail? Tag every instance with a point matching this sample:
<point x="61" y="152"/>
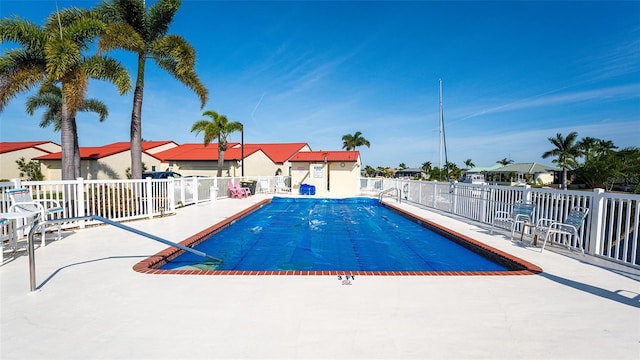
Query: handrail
<point x="37" y="223"/>
<point x="388" y="191"/>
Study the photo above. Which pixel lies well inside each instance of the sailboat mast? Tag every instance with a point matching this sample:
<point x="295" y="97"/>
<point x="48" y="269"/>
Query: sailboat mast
<point x="441" y="125"/>
<point x="443" y="139"/>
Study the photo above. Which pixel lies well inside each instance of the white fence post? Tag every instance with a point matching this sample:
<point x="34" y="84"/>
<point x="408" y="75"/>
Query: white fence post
<point x="453" y="194"/>
<point x="597" y="222"/>
<point x="149" y="191"/>
<point x="526" y="193"/>
<point x="484" y="196"/>
<point x="80" y="201"/>
<point x="172" y="194"/>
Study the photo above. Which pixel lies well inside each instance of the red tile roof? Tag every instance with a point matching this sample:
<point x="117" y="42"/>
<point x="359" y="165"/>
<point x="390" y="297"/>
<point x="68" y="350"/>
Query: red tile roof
<point x="278" y="153"/>
<point x="196" y="152"/>
<point x="98" y="152"/>
<point x="8" y="146"/>
<point x="332" y="156"/>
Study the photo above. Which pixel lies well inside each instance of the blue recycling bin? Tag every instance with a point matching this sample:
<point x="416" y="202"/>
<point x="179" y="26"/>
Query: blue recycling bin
<point x="306" y="189"/>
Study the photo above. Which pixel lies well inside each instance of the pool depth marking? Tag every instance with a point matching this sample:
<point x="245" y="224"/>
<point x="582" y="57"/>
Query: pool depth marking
<point x="521" y="267"/>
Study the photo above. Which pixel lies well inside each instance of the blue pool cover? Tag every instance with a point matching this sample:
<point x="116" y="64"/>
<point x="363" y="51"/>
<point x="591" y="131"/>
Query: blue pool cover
<point x="355" y="234"/>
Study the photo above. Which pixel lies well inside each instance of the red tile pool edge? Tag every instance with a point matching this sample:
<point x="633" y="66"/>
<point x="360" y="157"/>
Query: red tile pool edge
<point x="151" y="264"/>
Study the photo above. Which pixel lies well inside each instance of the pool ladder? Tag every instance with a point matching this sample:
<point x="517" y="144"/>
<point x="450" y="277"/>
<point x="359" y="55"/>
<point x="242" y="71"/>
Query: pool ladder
<point x="37" y="224"/>
<point x="387" y="192"/>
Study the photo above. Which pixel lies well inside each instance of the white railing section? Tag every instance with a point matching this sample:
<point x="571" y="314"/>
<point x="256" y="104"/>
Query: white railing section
<point x="122" y="200"/>
<point x="611" y="230"/>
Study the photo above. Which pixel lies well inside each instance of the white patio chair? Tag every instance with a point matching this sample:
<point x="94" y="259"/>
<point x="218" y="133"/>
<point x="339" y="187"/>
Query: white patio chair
<point x="281" y="186"/>
<point x="570" y="227"/>
<point x="22" y="201"/>
<point x="521" y="214"/>
<point x="264" y="186"/>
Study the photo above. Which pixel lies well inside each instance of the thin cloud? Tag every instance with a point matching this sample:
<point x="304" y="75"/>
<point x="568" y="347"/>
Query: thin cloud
<point x="627" y="91"/>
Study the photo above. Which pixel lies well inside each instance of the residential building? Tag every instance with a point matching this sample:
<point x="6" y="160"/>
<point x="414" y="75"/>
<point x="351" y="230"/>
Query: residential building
<point x="523" y="173"/>
<point x="10" y="152"/>
<point x="331" y="172"/>
<point x="110" y="161"/>
<point x="259" y="159"/>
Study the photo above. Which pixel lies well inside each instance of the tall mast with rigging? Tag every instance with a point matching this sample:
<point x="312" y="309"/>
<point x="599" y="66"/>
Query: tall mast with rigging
<point x="443" y="140"/>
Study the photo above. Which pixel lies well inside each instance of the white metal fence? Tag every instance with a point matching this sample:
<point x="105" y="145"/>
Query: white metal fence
<point x="610" y="230"/>
<point x="122" y="200"/>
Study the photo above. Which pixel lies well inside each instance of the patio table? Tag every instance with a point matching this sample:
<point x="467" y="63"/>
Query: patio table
<point x="17" y="222"/>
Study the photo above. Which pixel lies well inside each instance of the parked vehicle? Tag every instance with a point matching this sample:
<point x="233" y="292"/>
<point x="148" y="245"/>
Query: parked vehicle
<point x="160" y="174"/>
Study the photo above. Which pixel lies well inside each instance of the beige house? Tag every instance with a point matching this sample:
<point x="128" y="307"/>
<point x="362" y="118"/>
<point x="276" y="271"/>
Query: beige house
<point x="335" y="173"/>
<point x="259" y="159"/>
<point x="106" y="162"/>
<point x="10" y="152"/>
<point x="522" y="173"/>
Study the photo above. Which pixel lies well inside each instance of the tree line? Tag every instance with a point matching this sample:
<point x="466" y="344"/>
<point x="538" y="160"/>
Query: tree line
<point x="596" y="163"/>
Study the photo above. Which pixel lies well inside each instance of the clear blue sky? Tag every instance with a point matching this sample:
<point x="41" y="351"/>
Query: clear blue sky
<point x="514" y="74"/>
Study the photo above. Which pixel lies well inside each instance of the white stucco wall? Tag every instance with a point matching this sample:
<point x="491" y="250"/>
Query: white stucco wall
<point x="343" y="180"/>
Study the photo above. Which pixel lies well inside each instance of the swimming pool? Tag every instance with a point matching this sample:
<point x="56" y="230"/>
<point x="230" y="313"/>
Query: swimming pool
<point x="333" y="236"/>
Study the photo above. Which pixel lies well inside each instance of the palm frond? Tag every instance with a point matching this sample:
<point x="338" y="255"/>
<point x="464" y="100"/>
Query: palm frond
<point x="174" y="54"/>
<point x="96" y="106"/>
<point x="62" y="56"/>
<point x="107" y="68"/>
<point x="160" y="16"/>
<point x="43" y="99"/>
<point x="121" y="36"/>
<point x="15" y="82"/>
<point x="23" y="32"/>
<point x="74" y="89"/>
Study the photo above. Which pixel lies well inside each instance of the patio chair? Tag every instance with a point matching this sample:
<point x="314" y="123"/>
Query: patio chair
<point x="22" y="201"/>
<point x="244" y="190"/>
<point x="521" y="214"/>
<point x="236" y="191"/>
<point x="264" y="186"/>
<point x="570" y="227"/>
<point x="281" y="186"/>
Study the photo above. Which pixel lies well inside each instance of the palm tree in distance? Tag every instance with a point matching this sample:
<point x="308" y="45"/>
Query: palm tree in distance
<point x="566" y="150"/>
<point x="350" y="142"/>
<point x="53" y="53"/>
<point x="49" y="96"/>
<point x="218" y="128"/>
<point x="426" y="166"/>
<point x="504" y="161"/>
<point x="468" y="164"/>
<point x="588" y="146"/>
<point x="143" y="32"/>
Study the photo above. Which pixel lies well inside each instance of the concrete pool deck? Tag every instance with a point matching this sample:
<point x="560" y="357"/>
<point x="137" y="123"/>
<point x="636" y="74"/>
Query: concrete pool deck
<point x="91" y="304"/>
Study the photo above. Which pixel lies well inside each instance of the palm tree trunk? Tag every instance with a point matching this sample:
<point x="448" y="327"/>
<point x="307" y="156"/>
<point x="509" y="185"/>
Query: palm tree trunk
<point x="76" y="150"/>
<point x="67" y="140"/>
<point x="220" y="162"/>
<point x="564" y="178"/>
<point x="136" y="122"/>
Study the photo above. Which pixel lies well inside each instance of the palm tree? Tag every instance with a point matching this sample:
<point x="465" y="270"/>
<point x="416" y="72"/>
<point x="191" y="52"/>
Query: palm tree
<point x="49" y="96"/>
<point x="604" y="147"/>
<point x="504" y="161"/>
<point x="468" y="164"/>
<point x="369" y="171"/>
<point x="350" y="142"/>
<point x="566" y="150"/>
<point x="53" y="53"/>
<point x="217" y="128"/>
<point x="134" y="28"/>
<point x="426" y="166"/>
<point x="588" y="147"/>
